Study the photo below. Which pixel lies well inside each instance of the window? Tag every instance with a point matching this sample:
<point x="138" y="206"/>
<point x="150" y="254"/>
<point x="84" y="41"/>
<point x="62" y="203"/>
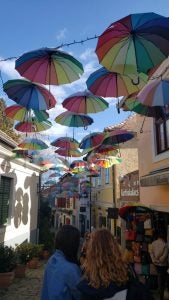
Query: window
<point x="5" y="191"/>
<point x="107" y="175"/>
<point x="162" y="135"/>
<point x="99" y="178"/>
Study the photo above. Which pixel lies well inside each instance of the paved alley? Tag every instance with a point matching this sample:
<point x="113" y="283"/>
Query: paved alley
<point x="25" y="288"/>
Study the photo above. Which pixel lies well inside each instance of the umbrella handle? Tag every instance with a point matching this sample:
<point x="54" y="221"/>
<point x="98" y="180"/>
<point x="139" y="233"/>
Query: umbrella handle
<point x="85" y="127"/>
<point x="135" y="83"/>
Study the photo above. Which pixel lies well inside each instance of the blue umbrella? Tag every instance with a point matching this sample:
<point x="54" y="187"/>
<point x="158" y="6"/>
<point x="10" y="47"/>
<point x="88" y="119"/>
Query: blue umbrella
<point x="29" y="94"/>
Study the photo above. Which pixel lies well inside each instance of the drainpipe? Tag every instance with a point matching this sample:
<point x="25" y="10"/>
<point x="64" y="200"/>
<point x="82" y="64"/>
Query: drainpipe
<point x="114" y="195"/>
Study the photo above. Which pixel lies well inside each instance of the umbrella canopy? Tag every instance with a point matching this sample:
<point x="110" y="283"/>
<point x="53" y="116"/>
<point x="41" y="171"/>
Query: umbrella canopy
<point x="49" y="66"/>
<point x="118" y="136"/>
<point x="85" y="103"/>
<point x="65" y="142"/>
<point x="106" y="150"/>
<point x="29" y="94"/>
<point x="50" y="182"/>
<point x="55" y="174"/>
<point x="107" y="162"/>
<point x="20" y="113"/>
<point x="126" y="210"/>
<point x="134" y="44"/>
<point x="78" y="163"/>
<point x="131" y="103"/>
<point x="155" y="93"/>
<point x="34" y="126"/>
<point x="92" y="140"/>
<point x="108" y="84"/>
<point x="68" y="152"/>
<point x="73" y="120"/>
<point x="33" y="144"/>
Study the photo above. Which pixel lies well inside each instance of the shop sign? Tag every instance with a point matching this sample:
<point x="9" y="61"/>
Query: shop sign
<point x="129" y="187"/>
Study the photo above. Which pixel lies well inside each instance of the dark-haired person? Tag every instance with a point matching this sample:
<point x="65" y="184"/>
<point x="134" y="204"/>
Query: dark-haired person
<point x="62" y="272"/>
<point x="105" y="274"/>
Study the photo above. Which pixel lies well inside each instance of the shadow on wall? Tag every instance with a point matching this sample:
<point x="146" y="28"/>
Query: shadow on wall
<point x="31" y="183"/>
<point x="21" y="208"/>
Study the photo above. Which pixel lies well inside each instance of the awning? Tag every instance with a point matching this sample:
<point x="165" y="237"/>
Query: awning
<point x="157" y="177"/>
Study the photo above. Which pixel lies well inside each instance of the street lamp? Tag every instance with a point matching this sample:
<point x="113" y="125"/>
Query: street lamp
<point x="91" y="174"/>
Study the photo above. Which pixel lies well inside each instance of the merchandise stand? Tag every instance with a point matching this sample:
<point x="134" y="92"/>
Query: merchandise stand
<point x="139" y="236"/>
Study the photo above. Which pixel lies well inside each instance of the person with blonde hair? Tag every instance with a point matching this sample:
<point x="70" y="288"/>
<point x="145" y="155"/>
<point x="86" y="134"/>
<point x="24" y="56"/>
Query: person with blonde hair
<point x="105" y="274"/>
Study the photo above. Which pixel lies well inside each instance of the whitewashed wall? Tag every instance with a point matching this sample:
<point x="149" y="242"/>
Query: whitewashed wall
<point x="23" y="210"/>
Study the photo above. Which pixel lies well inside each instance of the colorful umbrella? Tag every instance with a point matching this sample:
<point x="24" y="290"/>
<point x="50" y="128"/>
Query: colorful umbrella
<point x="131" y="103"/>
<point x="78" y="163"/>
<point x="126" y="210"/>
<point x="92" y="140"/>
<point x="117" y="136"/>
<point x="108" y="84"/>
<point x="29" y="94"/>
<point x="156" y="93"/>
<point x="85" y="103"/>
<point x="20" y="113"/>
<point x="107" y="162"/>
<point x="49" y="66"/>
<point x="33" y="126"/>
<point x="50" y="182"/>
<point x="65" y="142"/>
<point x="68" y="152"/>
<point x="55" y="174"/>
<point x="33" y="144"/>
<point x="134" y="44"/>
<point x="73" y="120"/>
<point x="106" y="150"/>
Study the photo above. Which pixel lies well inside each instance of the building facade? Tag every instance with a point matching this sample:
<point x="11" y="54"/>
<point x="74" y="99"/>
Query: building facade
<point x="18" y="196"/>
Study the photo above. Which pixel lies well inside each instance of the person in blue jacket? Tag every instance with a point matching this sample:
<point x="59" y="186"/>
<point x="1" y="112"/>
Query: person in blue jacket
<point x="105" y="274"/>
<point x="62" y="272"/>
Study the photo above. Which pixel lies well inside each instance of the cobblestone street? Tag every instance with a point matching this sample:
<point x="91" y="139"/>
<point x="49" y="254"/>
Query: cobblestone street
<point x="25" y="288"/>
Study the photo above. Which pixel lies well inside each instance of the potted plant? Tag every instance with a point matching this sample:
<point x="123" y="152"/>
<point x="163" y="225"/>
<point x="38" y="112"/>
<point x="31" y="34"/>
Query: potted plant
<point x="34" y="255"/>
<point x="22" y="256"/>
<point x="7" y="265"/>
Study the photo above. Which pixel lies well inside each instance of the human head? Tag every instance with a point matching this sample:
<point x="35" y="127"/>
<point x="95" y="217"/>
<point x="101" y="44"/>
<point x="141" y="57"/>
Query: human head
<point x="67" y="240"/>
<point x="104" y="262"/>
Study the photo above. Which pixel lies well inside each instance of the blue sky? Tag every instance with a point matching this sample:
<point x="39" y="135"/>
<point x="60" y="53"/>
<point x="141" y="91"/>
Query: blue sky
<point x="29" y="25"/>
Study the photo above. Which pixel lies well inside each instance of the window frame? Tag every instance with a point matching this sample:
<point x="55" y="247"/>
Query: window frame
<point x="11" y="187"/>
<point x="162" y="137"/>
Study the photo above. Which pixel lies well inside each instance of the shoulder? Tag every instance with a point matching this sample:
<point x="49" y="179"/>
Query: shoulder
<point x="99" y="293"/>
<point x="138" y="290"/>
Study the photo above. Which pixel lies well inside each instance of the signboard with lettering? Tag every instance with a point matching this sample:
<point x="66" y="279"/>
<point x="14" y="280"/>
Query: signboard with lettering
<point x="129" y="187"/>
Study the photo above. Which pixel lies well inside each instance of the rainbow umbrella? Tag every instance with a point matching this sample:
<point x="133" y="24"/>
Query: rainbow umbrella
<point x="20" y="113"/>
<point x="65" y="142"/>
<point x="68" y="152"/>
<point x="108" y="84"/>
<point x="49" y="66"/>
<point x="106" y="149"/>
<point x="55" y="174"/>
<point x="85" y="103"/>
<point x="134" y="44"/>
<point x="73" y="120"/>
<point x="33" y="144"/>
<point x="107" y="162"/>
<point x="131" y="103"/>
<point x="78" y="163"/>
<point x="155" y="93"/>
<point x="92" y="140"/>
<point x="34" y="126"/>
<point x="50" y="182"/>
<point x="117" y="136"/>
<point x="126" y="210"/>
<point x="29" y="94"/>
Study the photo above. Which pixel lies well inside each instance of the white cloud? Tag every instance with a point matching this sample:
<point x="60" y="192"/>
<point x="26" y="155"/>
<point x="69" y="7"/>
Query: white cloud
<point x="8" y="69"/>
<point x="62" y="34"/>
<point x="88" y="54"/>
